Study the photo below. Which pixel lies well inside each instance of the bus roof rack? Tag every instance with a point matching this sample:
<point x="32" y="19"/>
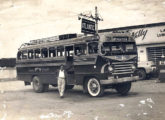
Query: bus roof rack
<point x="52" y="39"/>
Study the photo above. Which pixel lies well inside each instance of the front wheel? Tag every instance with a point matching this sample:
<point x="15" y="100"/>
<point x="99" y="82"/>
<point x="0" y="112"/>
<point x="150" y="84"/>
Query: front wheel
<point x="94" y="87"/>
<point x="142" y="74"/>
<point x="123" y="88"/>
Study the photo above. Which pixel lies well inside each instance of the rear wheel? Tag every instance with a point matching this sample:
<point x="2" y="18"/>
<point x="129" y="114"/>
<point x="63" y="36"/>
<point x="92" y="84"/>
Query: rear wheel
<point x="94" y="87"/>
<point x="37" y="85"/>
<point x="123" y="88"/>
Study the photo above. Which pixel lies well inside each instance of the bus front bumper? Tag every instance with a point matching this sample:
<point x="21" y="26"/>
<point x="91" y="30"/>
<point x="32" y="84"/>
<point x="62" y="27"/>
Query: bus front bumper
<point x="112" y="80"/>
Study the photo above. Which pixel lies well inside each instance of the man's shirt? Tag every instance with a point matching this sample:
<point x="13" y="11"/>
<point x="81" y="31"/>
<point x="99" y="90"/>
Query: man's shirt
<point x="61" y="74"/>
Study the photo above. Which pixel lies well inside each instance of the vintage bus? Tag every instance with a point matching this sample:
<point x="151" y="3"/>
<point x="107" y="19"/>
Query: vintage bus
<point x="95" y="62"/>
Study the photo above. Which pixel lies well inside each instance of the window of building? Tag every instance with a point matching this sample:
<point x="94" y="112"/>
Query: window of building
<point x="44" y="52"/>
<point x="37" y="53"/>
<point x="60" y="51"/>
<point x="80" y="49"/>
<point x="52" y="52"/>
<point x="93" y="47"/>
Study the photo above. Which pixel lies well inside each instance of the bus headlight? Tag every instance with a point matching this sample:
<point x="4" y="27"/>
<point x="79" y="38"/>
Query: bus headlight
<point x="133" y="67"/>
<point x="110" y="68"/>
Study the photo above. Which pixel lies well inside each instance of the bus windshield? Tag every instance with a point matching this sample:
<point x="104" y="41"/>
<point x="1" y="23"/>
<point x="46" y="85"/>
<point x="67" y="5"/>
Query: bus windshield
<point x="118" y="48"/>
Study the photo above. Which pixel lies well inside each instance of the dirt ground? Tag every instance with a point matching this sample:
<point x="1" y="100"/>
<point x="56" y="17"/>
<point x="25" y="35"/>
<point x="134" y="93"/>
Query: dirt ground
<point x="146" y="101"/>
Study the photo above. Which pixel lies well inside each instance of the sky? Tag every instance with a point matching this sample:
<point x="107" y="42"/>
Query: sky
<point x="25" y="20"/>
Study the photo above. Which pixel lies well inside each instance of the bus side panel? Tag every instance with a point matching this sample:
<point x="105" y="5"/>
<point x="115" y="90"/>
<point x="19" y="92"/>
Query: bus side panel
<point x="24" y="77"/>
<point x="48" y="79"/>
<point x="81" y="78"/>
<point x="46" y="74"/>
<point x="83" y="72"/>
<point x="45" y="79"/>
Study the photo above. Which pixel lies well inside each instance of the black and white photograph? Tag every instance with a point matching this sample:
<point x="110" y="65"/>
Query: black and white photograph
<point x="82" y="60"/>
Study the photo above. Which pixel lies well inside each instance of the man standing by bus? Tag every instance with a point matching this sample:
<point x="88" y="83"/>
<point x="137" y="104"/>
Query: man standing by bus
<point x="61" y="81"/>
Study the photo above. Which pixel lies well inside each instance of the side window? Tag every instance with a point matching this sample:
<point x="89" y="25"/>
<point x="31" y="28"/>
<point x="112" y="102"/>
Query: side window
<point x="30" y="54"/>
<point x="52" y="52"/>
<point x="37" y="53"/>
<point x="24" y="54"/>
<point x="80" y="49"/>
<point x="44" y="52"/>
<point x="19" y="55"/>
<point x="93" y="47"/>
<point x="69" y="50"/>
<point x="60" y="51"/>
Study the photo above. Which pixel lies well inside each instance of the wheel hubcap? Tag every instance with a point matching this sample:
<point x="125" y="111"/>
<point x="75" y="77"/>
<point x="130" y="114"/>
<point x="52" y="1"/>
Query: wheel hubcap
<point x="93" y="87"/>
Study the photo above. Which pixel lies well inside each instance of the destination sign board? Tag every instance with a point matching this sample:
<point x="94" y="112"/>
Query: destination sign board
<point x="88" y="26"/>
<point x="119" y="39"/>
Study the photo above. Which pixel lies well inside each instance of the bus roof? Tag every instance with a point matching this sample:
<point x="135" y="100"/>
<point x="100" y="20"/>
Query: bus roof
<point x="48" y="42"/>
<point x="81" y="39"/>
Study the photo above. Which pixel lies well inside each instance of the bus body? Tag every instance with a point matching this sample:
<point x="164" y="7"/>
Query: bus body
<point x="109" y="61"/>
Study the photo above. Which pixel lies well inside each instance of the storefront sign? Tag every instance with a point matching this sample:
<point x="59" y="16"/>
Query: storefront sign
<point x="140" y="33"/>
<point x="161" y="33"/>
<point x="88" y="26"/>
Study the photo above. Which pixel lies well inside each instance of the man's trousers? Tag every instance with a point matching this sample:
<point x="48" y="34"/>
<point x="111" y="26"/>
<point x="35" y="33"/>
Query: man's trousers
<point x="61" y="86"/>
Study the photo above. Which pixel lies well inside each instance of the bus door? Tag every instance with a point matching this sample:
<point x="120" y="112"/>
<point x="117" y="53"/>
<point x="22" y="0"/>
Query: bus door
<point x="69" y="64"/>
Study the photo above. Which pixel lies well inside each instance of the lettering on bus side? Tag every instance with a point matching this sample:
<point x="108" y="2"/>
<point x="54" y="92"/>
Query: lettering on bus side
<point x="40" y="70"/>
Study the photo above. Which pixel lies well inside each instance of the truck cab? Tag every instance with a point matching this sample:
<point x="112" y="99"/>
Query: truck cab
<point x="145" y="69"/>
<point x="146" y="66"/>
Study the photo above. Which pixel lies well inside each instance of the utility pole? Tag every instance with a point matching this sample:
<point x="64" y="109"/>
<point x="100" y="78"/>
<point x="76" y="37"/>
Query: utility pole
<point x="96" y="18"/>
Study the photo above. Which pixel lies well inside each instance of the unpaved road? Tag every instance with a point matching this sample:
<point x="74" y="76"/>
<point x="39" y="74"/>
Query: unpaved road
<point x="146" y="101"/>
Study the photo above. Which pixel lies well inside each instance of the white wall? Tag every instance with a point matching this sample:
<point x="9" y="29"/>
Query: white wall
<point x="142" y="53"/>
<point x="149" y="35"/>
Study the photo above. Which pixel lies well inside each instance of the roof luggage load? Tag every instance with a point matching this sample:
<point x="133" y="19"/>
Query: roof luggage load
<point x="67" y="36"/>
<point x="54" y="38"/>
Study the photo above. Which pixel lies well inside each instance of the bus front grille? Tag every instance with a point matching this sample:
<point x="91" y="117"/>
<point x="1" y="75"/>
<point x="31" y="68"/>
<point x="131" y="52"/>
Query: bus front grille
<point x="122" y="67"/>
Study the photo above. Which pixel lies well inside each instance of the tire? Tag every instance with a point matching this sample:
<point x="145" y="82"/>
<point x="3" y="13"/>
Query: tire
<point x="94" y="87"/>
<point x="123" y="88"/>
<point x="46" y="87"/>
<point x="38" y="87"/>
<point x="142" y="74"/>
<point x="85" y="90"/>
<point x="68" y="87"/>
